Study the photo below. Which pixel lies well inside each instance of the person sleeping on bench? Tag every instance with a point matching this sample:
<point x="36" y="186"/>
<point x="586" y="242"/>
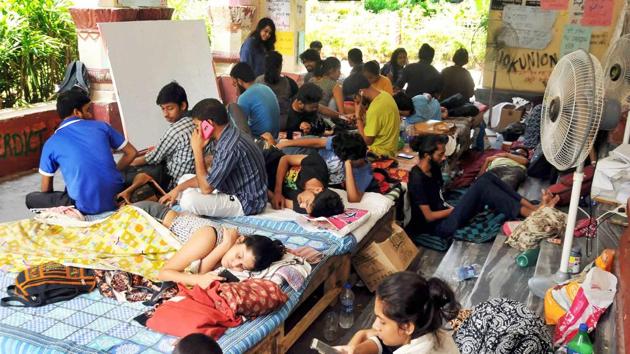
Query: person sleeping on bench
<point x="213" y="247"/>
<point x="345" y="155"/>
<point x="300" y="183"/>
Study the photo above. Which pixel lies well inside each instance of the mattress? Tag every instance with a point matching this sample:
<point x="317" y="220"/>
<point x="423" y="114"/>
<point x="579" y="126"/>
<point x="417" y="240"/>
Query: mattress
<point x="377" y="204"/>
<point x="93" y="324"/>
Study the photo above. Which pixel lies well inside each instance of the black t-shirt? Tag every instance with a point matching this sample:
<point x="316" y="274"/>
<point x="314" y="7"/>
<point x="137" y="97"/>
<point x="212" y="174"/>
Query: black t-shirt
<point x="295" y="118"/>
<point x="424" y="190"/>
<point x="420" y="78"/>
<point x="312" y="166"/>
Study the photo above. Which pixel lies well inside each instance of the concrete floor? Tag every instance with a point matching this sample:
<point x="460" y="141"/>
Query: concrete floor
<point x="13" y="191"/>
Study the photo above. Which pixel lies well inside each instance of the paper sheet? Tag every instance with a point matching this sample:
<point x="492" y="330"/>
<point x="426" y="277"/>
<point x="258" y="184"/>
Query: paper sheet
<point x="533" y="26"/>
<point x="575" y="37"/>
<point x="598" y="12"/>
<point x="285" y="43"/>
<point x="554" y="4"/>
<point x="280" y="12"/>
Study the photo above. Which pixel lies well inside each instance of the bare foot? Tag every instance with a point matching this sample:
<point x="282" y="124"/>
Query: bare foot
<point x="548" y="199"/>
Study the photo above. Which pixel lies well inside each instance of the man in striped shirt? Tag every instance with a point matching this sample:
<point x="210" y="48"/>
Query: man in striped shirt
<point x="173" y="148"/>
<point x="235" y="185"/>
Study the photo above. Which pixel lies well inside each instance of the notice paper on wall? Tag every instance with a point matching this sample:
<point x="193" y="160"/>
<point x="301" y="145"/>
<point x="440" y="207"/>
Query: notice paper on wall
<point x="533" y="26"/>
<point x="285" y="43"/>
<point x="554" y="4"/>
<point x="280" y="12"/>
<point x="575" y="37"/>
<point x="598" y="12"/>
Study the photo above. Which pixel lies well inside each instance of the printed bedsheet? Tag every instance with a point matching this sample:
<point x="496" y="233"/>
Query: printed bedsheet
<point x="94" y="324"/>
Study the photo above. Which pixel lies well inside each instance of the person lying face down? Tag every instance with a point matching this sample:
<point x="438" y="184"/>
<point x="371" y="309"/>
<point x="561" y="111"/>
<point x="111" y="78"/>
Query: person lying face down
<point x="213" y="248"/>
<point x="301" y="184"/>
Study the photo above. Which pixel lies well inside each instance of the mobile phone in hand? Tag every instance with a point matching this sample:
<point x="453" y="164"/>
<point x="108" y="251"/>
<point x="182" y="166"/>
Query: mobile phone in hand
<point x="206" y="129"/>
<point x="228" y="276"/>
<point x="322" y="347"/>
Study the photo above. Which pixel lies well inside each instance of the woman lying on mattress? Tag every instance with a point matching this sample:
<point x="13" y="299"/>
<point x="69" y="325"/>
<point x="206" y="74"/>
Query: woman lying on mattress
<point x="213" y="247"/>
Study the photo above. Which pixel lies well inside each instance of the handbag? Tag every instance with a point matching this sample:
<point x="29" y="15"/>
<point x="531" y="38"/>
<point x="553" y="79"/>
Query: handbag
<point x="48" y="283"/>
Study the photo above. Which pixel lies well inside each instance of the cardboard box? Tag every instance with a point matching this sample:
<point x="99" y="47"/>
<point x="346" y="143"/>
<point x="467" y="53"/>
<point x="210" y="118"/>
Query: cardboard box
<point x="378" y="260"/>
<point x="505" y="114"/>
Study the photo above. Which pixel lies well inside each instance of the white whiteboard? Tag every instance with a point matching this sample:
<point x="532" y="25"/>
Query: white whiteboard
<point x="146" y="55"/>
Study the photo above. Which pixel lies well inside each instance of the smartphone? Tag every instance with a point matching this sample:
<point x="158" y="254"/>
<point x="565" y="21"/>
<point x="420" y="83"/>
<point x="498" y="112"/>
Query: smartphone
<point x="229" y="277"/>
<point x="206" y="129"/>
<point x="405" y="156"/>
<point x="322" y="347"/>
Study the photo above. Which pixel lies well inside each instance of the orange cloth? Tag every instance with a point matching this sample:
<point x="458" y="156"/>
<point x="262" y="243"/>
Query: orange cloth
<point x="383" y="84"/>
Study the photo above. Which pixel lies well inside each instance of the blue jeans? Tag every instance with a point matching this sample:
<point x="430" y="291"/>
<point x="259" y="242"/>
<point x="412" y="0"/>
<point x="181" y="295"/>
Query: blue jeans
<point x="488" y="190"/>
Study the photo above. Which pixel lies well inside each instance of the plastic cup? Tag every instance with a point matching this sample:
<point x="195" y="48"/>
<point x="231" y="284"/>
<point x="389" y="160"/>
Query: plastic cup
<point x="331" y="322"/>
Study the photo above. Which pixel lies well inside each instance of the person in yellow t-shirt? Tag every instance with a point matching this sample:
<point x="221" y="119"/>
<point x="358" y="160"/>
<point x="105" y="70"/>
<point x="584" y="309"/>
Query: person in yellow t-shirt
<point x="378" y="120"/>
<point x="371" y="70"/>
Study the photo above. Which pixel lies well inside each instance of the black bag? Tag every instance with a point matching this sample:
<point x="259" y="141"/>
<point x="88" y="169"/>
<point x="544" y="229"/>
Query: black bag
<point x="466" y="110"/>
<point x="48" y="283"/>
<point x="513" y="131"/>
<point x="457" y="100"/>
<point x="75" y="76"/>
<point x="539" y="167"/>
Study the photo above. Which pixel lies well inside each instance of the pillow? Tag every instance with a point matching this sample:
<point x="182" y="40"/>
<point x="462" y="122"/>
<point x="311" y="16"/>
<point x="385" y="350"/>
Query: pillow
<point x="253" y="297"/>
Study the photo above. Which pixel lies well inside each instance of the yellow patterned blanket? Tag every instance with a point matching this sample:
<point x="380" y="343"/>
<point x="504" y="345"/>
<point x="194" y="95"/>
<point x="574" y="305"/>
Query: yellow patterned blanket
<point x="129" y="240"/>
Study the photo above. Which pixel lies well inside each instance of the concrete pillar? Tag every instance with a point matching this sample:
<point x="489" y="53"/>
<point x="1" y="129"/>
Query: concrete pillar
<point x="92" y="52"/>
<point x="233" y="20"/>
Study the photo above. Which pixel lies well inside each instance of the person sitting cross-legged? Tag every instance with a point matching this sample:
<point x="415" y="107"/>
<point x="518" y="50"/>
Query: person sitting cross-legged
<point x="82" y="148"/>
<point x="235" y="184"/>
<point x="173" y="147"/>
<point x="257" y="101"/>
<point x="377" y="116"/>
<point x="302" y="116"/>
<point x="431" y="215"/>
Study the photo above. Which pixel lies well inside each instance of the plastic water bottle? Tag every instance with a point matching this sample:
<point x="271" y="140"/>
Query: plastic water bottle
<point x="467" y="272"/>
<point x="581" y="343"/>
<point x="346" y="317"/>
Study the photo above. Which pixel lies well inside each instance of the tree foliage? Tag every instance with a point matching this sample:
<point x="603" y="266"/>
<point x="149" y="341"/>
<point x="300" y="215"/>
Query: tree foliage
<point x="37" y="40"/>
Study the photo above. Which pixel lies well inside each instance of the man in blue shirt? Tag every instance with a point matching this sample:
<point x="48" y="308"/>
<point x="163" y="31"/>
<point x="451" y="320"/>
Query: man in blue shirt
<point x="345" y="156"/>
<point x="82" y="148"/>
<point x="258" y="102"/>
<point x="235" y="185"/>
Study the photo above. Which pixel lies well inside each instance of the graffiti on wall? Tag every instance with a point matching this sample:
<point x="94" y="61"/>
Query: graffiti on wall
<point x="530" y="67"/>
<point x="26" y="142"/>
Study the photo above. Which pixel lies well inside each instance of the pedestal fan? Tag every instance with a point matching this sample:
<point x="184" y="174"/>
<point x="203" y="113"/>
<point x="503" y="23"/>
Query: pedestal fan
<point x="571" y="115"/>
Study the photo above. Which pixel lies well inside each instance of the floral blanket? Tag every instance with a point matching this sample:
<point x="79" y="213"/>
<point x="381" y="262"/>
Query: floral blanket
<point x="128" y="240"/>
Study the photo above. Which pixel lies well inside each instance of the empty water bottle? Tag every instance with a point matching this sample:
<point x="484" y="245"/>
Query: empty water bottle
<point x="346" y="317"/>
<point x="467" y="272"/>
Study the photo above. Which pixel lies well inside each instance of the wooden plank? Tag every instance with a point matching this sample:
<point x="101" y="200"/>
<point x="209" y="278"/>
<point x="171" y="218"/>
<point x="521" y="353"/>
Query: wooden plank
<point x="500" y="276"/>
<point x="462" y="254"/>
<point x="306" y="321"/>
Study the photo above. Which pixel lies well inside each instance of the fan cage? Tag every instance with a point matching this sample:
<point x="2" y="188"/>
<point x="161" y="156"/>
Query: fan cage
<point x="618" y="62"/>
<point x="577" y="84"/>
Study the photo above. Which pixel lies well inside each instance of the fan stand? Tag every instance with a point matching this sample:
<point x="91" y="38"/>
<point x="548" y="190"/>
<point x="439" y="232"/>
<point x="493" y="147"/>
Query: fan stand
<point x="540" y="284"/>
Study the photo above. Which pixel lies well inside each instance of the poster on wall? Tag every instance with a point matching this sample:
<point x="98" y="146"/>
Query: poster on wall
<point x="554" y="4"/>
<point x="285" y="43"/>
<point x="280" y="12"/>
<point x="533" y="26"/>
<point x="598" y="13"/>
<point x="575" y="37"/>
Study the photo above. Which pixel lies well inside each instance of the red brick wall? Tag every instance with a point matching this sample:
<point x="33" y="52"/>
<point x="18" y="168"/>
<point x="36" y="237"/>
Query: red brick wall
<point x="22" y="137"/>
